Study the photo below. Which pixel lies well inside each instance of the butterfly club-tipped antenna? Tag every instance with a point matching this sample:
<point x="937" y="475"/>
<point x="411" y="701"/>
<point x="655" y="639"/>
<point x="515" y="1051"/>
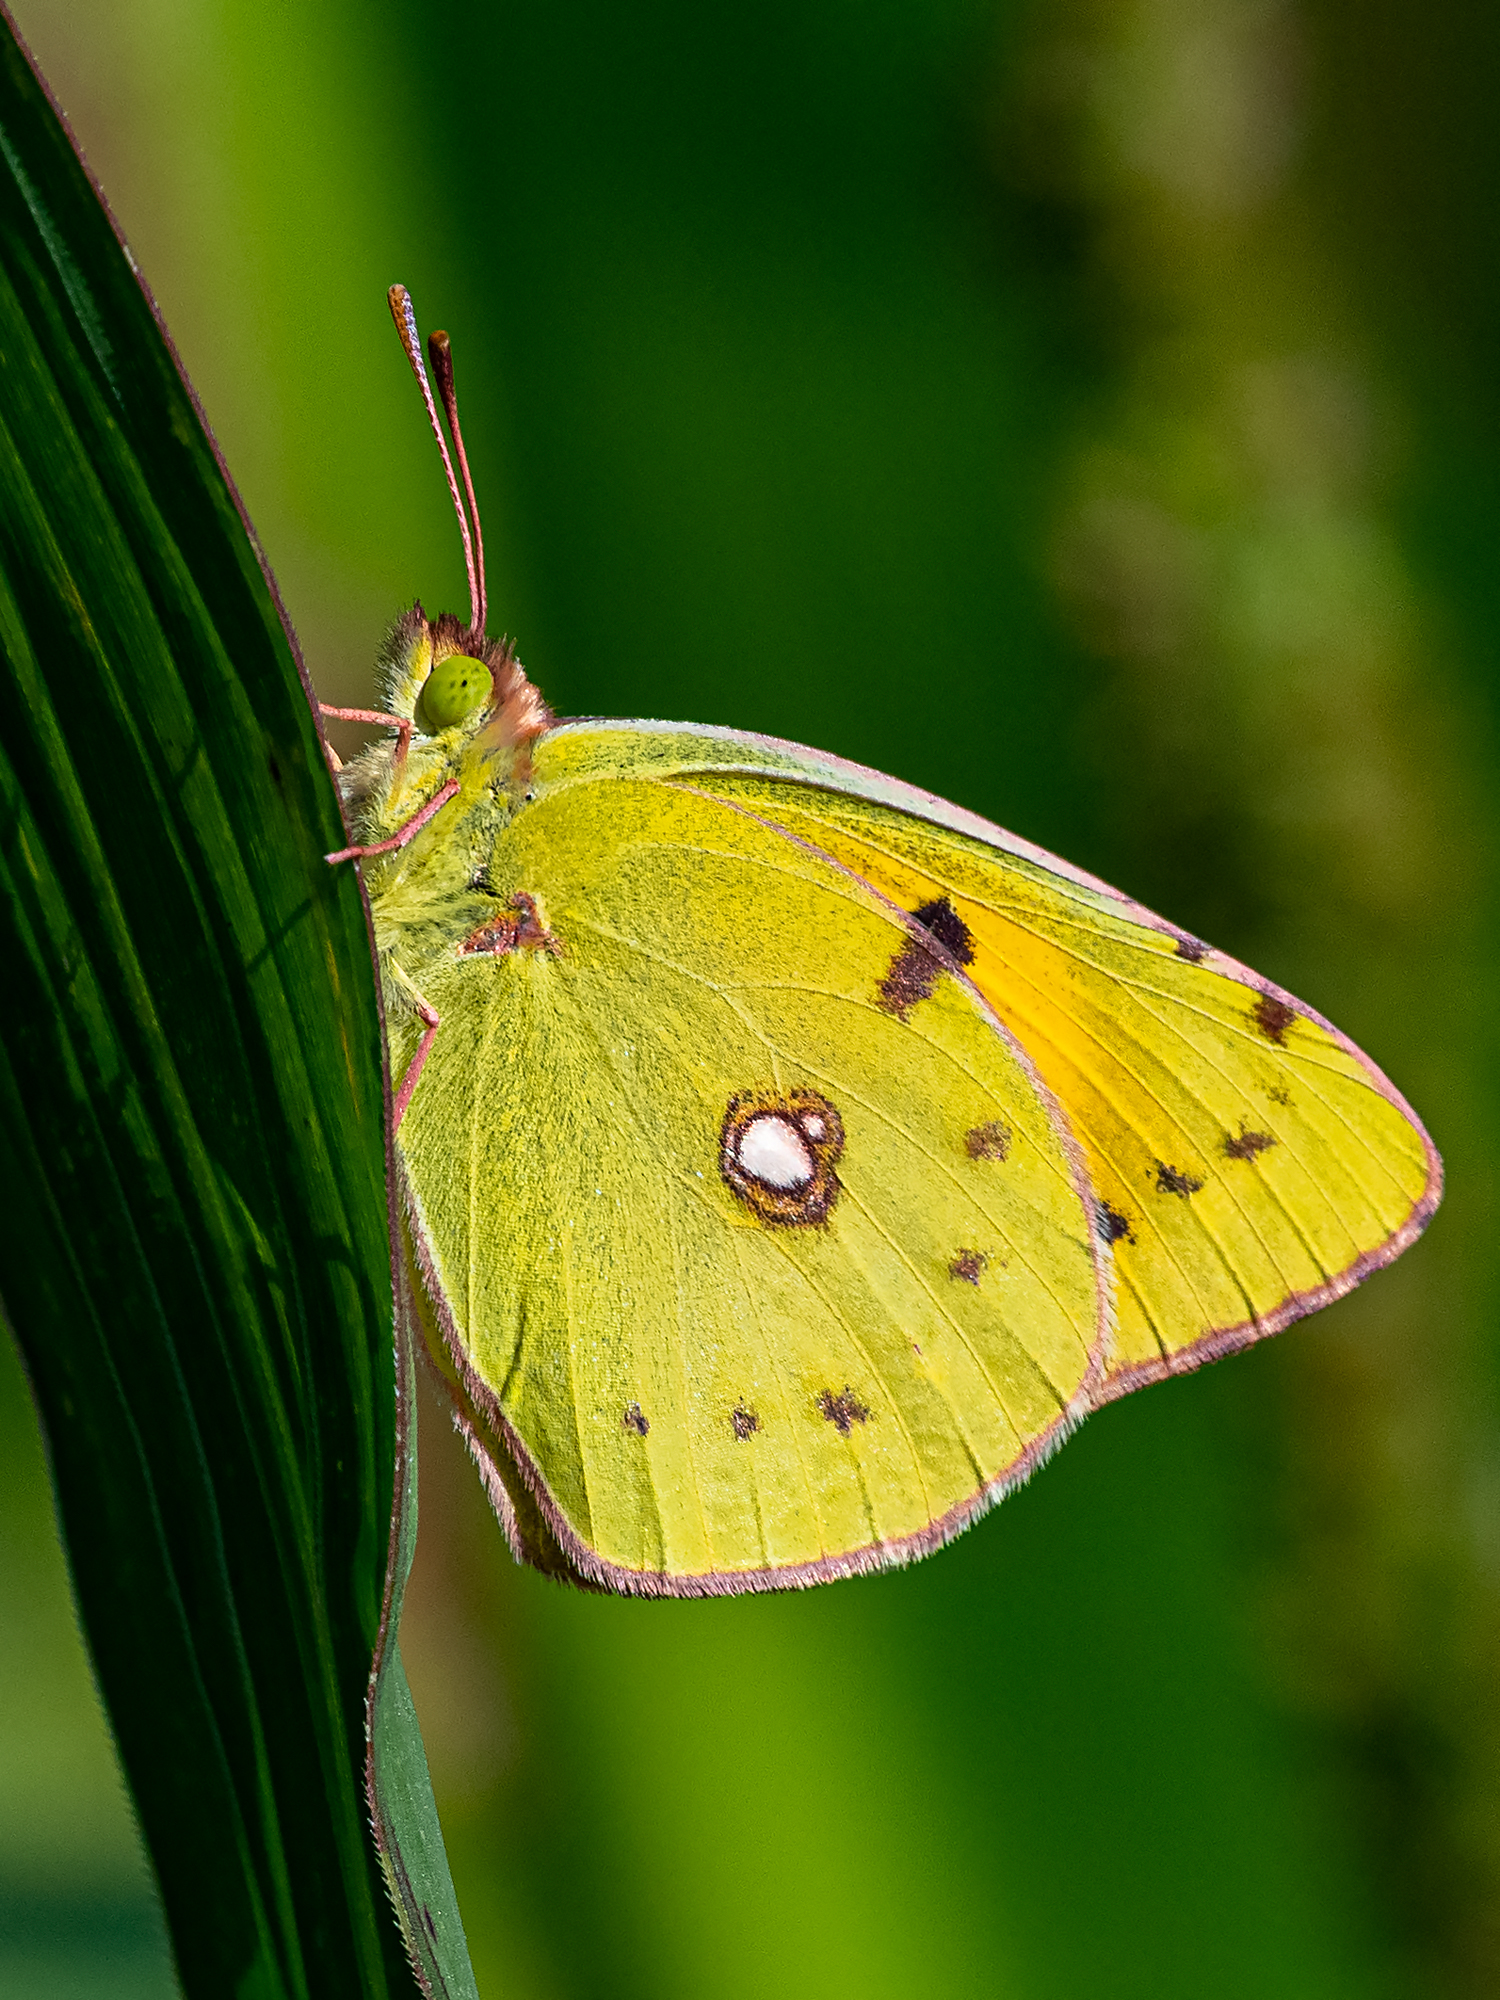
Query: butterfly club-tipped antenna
<point x="440" y="354"/>
<point x="442" y="367"/>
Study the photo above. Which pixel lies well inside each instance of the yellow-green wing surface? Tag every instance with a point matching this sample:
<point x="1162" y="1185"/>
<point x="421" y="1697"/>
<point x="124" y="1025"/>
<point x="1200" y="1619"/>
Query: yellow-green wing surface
<point x="1248" y="1162"/>
<point x="758" y="1280"/>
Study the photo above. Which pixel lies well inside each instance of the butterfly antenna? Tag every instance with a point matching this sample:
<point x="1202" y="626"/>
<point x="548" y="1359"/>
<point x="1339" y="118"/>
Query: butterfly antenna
<point x="411" y="340"/>
<point x="440" y="354"/>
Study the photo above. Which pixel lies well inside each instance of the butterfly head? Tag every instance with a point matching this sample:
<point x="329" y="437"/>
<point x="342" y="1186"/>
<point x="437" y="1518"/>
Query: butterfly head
<point x="456" y="684"/>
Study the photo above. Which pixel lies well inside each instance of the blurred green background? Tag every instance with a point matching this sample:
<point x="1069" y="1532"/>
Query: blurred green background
<point x="1087" y="410"/>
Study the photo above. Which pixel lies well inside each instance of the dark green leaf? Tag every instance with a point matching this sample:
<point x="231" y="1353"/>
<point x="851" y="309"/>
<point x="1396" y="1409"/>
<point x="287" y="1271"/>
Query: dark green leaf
<point x="193" y="1222"/>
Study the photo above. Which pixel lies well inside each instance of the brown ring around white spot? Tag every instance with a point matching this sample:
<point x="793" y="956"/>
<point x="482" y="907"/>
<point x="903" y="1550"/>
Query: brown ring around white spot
<point x="778" y="1151"/>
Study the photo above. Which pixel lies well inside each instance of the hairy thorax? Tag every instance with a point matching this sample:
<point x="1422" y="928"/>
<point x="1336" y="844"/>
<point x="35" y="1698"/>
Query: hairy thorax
<point x="437" y="878"/>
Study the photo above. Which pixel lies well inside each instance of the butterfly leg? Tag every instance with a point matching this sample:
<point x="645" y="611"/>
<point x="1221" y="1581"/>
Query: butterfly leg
<point x="431" y="1021"/>
<point x="399" y="839"/>
<point x="400" y="723"/>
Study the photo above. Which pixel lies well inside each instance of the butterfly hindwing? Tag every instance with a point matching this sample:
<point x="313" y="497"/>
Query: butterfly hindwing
<point x="765" y="1276"/>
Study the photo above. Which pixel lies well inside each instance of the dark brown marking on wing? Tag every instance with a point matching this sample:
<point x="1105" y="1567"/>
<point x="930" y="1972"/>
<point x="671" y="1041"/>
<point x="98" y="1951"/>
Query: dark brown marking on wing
<point x="1273" y="1017"/>
<point x="1194" y="950"/>
<point x="942" y="920"/>
<point x="745" y="1422"/>
<point x="988" y="1142"/>
<point x="1171" y="1180"/>
<point x="1111" y="1224"/>
<point x="493" y="939"/>
<point x="842" y="1411"/>
<point x="914" y="971"/>
<point x="1244" y="1144"/>
<point x="517" y="928"/>
<point x="635" y="1420"/>
<point x="968" y="1266"/>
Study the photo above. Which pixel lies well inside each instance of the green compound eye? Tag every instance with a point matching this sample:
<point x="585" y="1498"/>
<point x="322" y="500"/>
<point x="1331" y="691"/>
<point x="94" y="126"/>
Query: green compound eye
<point x="453" y="690"/>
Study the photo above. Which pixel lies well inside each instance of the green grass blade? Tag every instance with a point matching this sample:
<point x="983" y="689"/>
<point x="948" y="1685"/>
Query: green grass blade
<point x="194" y="1249"/>
<point x="402" y="1806"/>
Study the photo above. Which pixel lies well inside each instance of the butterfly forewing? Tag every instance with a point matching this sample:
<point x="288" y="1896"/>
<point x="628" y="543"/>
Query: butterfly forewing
<point x="1248" y="1162"/>
<point x="747" y="1217"/>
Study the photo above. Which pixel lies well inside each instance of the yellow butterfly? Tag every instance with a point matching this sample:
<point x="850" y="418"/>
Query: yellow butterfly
<point x="791" y="1159"/>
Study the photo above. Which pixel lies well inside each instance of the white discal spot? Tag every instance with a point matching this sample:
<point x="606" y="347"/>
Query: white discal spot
<point x="772" y="1151"/>
<point x="814" y="1124"/>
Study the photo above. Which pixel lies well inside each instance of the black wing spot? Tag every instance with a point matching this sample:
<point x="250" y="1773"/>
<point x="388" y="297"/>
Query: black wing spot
<point x="1194" y="950"/>
<point x="1273" y="1017"/>
<point x="842" y="1411"/>
<point x="1171" y="1180"/>
<point x="1112" y="1225"/>
<point x="949" y="928"/>
<point x="1244" y="1145"/>
<point x="745" y="1422"/>
<point x="988" y="1142"/>
<point x="635" y="1420"/>
<point x="914" y="971"/>
<point x="968" y="1265"/>
<point x="911" y="976"/>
